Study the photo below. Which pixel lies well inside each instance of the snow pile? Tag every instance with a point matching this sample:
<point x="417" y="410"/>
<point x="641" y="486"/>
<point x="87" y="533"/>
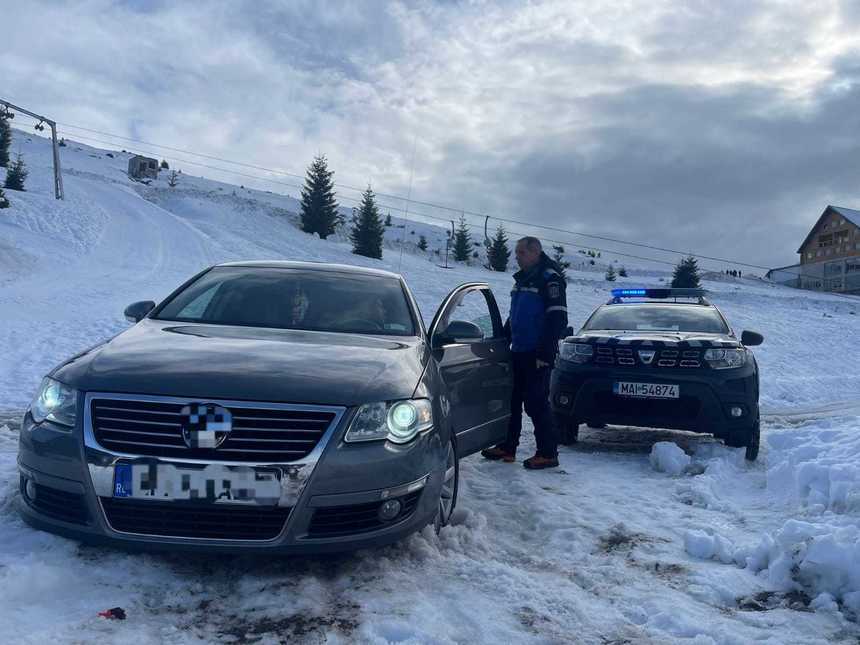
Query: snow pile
<point x="815" y="467"/>
<point x="818" y="466"/>
<point x="819" y="558"/>
<point x="667" y="457"/>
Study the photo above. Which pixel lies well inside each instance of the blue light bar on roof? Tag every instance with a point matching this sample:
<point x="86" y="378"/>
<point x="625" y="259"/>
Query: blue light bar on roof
<point x="659" y="293"/>
<point x="629" y="293"/>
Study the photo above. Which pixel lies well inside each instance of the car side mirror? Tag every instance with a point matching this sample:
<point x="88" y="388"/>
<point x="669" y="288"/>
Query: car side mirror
<point x="458" y="331"/>
<point x="568" y="331"/>
<point x="137" y="311"/>
<point x="751" y="339"/>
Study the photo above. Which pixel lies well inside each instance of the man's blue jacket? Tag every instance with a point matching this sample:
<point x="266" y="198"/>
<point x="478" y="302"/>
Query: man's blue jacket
<point x="538" y="309"/>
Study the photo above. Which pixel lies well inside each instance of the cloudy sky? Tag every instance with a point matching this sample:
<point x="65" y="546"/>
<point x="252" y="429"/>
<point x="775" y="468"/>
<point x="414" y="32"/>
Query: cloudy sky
<point x="722" y="128"/>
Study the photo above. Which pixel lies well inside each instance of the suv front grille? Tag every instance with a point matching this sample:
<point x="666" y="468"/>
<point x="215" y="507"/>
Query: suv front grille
<point x="153" y="428"/>
<point x="210" y="521"/>
<point x="665" y="358"/>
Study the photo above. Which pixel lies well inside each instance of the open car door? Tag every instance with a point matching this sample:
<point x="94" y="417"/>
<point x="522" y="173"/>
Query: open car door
<point x="468" y="343"/>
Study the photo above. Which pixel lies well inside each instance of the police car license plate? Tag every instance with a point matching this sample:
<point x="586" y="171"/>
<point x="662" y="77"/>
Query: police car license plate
<point x="212" y="483"/>
<point x="646" y="390"/>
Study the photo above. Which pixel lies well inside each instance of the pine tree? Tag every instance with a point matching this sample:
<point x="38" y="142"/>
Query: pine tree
<point x="686" y="274"/>
<point x="164" y="165"/>
<point x="388" y="219"/>
<point x="319" y="208"/>
<point x="367" y="228"/>
<point x="610" y="274"/>
<point x="462" y="241"/>
<point x="5" y="141"/>
<point x="16" y="175"/>
<point x="4" y="203"/>
<point x="498" y="254"/>
<point x="558" y="257"/>
<point x="622" y="272"/>
<point x="422" y="243"/>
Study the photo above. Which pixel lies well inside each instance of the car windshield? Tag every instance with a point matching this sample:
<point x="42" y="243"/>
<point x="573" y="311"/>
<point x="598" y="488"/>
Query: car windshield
<point x="284" y="298"/>
<point x="650" y="317"/>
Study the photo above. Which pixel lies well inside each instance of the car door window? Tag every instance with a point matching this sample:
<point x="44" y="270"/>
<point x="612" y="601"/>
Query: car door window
<point x="475" y="306"/>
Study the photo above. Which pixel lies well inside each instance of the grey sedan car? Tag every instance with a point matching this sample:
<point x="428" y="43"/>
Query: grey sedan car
<point x="270" y="406"/>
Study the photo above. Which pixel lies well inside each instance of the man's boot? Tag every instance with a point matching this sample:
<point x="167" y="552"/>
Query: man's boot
<point x="539" y="462"/>
<point x="499" y="453"/>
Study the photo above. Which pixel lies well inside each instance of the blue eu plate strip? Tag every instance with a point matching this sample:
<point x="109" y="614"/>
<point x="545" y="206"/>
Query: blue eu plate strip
<point x="122" y="480"/>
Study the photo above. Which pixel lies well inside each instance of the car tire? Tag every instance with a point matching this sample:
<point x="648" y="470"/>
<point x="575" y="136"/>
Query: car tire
<point x="568" y="430"/>
<point x="748" y="438"/>
<point x="449" y="489"/>
<point x="753" y="442"/>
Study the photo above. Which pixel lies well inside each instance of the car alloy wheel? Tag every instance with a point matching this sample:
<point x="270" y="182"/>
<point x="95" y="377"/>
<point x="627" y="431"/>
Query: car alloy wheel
<point x="450" y="487"/>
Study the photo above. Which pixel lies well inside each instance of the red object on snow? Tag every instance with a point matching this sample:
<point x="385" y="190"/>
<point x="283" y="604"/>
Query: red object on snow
<point x="116" y="613"/>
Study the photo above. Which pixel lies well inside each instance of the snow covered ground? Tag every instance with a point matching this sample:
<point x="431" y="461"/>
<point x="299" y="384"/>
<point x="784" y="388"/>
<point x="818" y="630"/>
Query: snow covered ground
<point x="621" y="544"/>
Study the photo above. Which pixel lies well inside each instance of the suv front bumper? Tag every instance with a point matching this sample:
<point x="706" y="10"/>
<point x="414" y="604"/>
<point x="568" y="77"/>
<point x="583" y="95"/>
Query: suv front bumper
<point x="585" y="393"/>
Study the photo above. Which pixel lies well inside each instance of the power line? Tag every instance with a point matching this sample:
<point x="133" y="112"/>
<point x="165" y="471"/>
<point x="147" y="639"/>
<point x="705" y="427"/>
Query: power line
<point x="429" y="204"/>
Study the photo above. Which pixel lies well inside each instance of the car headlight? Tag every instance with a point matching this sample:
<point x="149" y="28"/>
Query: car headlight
<point x="397" y="421"/>
<point x="576" y="352"/>
<point x="722" y="359"/>
<point x="54" y="402"/>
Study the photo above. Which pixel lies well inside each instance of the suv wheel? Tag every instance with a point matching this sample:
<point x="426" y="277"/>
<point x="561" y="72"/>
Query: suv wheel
<point x="568" y="429"/>
<point x="449" y="490"/>
<point x="753" y="441"/>
<point x="748" y="438"/>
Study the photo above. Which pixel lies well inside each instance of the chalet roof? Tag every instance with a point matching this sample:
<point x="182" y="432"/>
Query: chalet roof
<point x="849" y="214"/>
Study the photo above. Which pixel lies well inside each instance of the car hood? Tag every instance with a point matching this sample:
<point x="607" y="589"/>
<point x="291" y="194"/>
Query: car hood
<point x="658" y="338"/>
<point x="243" y="363"/>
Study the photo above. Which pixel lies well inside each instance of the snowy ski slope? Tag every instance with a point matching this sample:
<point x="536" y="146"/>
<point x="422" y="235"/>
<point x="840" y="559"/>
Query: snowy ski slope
<point x="604" y="549"/>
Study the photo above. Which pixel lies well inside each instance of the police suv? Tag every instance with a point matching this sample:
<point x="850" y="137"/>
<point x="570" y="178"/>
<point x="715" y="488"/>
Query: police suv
<point x="663" y="358"/>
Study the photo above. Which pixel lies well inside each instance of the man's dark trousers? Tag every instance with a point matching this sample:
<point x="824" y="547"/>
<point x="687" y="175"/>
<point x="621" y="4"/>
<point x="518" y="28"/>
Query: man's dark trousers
<point x="531" y="388"/>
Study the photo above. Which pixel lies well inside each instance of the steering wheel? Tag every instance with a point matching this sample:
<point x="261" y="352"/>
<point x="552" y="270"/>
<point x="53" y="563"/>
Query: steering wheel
<point x="362" y="323"/>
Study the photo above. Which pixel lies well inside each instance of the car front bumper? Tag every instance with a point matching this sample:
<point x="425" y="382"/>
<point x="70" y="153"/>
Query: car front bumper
<point x="329" y="504"/>
<point x="585" y="393"/>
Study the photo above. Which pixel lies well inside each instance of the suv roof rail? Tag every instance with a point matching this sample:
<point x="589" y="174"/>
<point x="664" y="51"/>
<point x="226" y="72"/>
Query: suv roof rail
<point x="658" y="293"/>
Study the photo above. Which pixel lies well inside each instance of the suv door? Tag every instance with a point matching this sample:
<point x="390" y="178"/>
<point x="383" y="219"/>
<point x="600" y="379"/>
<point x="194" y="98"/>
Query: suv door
<point x="468" y="343"/>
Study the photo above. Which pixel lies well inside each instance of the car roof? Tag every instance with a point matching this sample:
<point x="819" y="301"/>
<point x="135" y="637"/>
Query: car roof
<point x="311" y="266"/>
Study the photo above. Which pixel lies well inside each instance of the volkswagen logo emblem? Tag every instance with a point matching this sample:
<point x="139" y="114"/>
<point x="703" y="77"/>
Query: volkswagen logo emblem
<point x="646" y="355"/>
<point x="205" y="425"/>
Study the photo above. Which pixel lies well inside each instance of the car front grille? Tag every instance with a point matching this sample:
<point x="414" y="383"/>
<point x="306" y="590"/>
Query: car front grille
<point x="59" y="504"/>
<point x="663" y="358"/>
<point x="188" y="520"/>
<point x="337" y="521"/>
<point x="259" y="434"/>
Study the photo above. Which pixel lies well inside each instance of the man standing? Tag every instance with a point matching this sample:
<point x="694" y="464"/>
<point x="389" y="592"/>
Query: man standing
<point x="537" y="321"/>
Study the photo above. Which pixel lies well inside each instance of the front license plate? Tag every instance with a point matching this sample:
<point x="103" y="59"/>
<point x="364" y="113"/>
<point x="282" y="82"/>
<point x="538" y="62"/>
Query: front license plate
<point x="211" y="483"/>
<point x="646" y="390"/>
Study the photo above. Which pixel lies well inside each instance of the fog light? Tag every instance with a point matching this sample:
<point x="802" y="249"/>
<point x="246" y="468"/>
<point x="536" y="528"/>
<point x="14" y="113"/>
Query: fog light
<point x="30" y="490"/>
<point x="737" y="411"/>
<point x="389" y="510"/>
<point x="563" y="399"/>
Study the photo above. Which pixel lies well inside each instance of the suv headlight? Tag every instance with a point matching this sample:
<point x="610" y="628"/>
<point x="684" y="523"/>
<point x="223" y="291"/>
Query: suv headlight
<point x="54" y="402"/>
<point x="722" y="359"/>
<point x="397" y="421"/>
<point x="576" y="352"/>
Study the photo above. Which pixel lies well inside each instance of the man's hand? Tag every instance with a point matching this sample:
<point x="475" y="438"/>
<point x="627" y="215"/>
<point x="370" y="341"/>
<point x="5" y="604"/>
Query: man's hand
<point x="541" y="363"/>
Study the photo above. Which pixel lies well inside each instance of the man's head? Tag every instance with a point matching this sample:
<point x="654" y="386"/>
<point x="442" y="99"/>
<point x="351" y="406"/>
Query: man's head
<point x="528" y="252"/>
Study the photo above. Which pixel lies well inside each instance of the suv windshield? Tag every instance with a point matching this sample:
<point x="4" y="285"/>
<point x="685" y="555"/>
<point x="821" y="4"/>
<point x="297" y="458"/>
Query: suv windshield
<point x="294" y="299"/>
<point x="650" y="317"/>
